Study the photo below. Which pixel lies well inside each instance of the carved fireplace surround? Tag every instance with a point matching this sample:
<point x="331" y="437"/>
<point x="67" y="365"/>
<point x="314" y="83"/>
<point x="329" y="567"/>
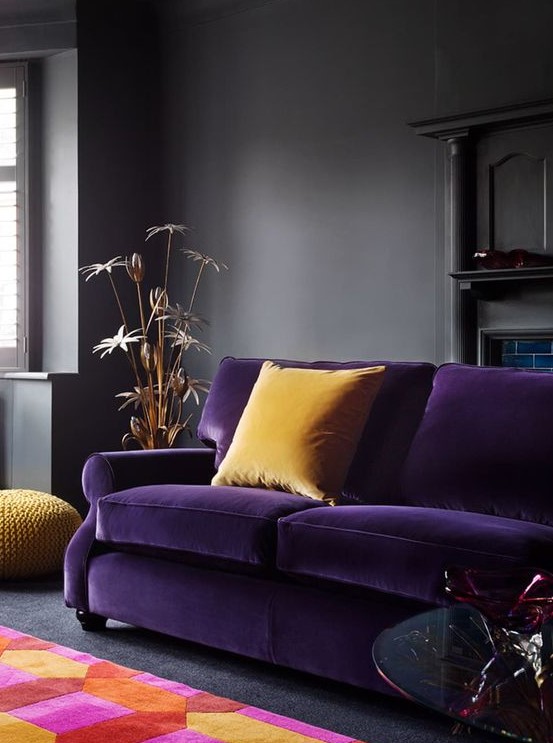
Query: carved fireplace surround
<point x="498" y="194"/>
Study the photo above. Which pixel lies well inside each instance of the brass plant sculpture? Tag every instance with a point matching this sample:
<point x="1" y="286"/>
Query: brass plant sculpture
<point x="156" y="348"/>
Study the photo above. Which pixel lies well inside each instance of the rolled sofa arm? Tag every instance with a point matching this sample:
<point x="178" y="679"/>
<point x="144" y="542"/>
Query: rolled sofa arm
<point x="108" y="472"/>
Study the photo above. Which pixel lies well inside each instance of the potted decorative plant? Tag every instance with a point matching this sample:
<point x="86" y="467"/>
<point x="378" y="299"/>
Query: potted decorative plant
<point x="155" y="349"/>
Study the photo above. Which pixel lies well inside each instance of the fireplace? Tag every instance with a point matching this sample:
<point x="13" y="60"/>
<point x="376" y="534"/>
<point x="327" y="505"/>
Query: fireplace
<point x="498" y="195"/>
<point x="529" y="349"/>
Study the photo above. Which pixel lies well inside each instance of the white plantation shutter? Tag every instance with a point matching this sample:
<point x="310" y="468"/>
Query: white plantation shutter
<point x="12" y="218"/>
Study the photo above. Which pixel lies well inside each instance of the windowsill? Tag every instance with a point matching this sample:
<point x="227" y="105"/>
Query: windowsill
<point x="41" y="376"/>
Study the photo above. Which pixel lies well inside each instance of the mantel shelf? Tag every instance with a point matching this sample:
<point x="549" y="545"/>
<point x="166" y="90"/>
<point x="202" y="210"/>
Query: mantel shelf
<point x="494" y="281"/>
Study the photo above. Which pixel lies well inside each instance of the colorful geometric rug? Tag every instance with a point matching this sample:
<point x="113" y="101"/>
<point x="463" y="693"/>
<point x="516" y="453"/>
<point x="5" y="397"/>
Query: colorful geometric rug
<point x="52" y="694"/>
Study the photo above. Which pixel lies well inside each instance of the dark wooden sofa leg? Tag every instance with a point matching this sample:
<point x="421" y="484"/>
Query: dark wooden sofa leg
<point x="91" y="622"/>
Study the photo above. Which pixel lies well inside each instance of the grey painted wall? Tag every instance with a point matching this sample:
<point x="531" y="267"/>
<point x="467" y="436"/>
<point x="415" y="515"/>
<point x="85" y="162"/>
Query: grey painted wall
<point x="118" y="198"/>
<point x="297" y="167"/>
<point x="492" y="53"/>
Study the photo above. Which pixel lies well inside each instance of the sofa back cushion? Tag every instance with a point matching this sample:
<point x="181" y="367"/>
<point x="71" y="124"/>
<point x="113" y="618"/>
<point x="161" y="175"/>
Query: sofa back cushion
<point x="485" y="444"/>
<point x="393" y="420"/>
<point x="300" y="429"/>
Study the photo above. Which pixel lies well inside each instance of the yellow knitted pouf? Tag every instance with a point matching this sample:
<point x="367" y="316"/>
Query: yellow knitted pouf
<point x="35" y="529"/>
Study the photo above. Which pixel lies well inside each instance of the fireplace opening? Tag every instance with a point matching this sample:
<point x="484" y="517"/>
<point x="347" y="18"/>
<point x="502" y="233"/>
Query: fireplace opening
<point x="523" y="349"/>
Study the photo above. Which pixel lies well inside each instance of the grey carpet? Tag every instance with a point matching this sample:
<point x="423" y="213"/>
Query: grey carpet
<point x="37" y="608"/>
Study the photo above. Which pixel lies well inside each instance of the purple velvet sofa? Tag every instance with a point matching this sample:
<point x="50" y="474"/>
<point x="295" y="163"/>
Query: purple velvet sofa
<point x="455" y="467"/>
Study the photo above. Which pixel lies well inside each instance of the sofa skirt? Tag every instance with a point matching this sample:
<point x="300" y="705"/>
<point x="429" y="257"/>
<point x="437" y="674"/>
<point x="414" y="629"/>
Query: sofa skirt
<point x="298" y="626"/>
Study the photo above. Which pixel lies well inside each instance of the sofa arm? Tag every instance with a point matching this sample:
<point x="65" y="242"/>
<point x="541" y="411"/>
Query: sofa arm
<point x="108" y="472"/>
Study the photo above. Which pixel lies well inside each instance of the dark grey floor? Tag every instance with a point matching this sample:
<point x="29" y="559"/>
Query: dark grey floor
<point x="37" y="608"/>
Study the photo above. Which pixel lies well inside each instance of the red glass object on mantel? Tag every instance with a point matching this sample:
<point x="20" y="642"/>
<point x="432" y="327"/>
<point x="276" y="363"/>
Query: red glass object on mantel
<point x="519" y="599"/>
<point x="517" y="258"/>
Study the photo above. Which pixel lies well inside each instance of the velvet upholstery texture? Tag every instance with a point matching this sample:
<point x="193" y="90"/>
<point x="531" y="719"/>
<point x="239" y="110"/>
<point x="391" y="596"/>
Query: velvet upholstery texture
<point x="298" y="626"/>
<point x="223" y="610"/>
<point x="107" y="472"/>
<point x="404" y="550"/>
<point x="332" y="635"/>
<point x="225" y="523"/>
<point x="384" y="443"/>
<point x="485" y="444"/>
<point x="462" y="477"/>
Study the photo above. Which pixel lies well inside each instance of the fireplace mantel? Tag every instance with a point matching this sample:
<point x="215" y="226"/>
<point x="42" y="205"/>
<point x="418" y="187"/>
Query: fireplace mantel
<point x="492" y="119"/>
<point x="491" y="284"/>
<point x="498" y="190"/>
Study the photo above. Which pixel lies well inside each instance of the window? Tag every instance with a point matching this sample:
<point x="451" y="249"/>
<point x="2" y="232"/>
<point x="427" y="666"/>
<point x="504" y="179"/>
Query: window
<point x="13" y="199"/>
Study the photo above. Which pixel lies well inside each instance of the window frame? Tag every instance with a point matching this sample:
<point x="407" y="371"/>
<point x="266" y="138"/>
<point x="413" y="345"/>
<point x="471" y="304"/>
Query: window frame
<point x="15" y="74"/>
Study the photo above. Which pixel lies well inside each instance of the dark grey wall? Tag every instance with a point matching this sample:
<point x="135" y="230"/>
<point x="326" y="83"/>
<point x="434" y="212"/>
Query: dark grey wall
<point x="296" y="166"/>
<point x="491" y="53"/>
<point x="118" y="198"/>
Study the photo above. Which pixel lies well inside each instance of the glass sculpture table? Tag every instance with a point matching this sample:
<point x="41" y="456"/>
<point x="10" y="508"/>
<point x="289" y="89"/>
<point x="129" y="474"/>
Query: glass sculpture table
<point x="490" y="666"/>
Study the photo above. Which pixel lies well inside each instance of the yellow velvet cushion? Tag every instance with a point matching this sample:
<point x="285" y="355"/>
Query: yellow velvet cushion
<point x="299" y="430"/>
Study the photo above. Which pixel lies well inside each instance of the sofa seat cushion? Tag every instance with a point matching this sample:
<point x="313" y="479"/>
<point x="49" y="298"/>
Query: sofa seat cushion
<point x="404" y="550"/>
<point x="206" y="524"/>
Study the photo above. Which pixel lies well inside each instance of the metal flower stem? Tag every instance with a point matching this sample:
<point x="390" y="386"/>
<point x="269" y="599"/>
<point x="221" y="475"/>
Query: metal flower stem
<point x="161" y="335"/>
<point x="130" y="353"/>
<point x="160" y="347"/>
<point x="149" y="415"/>
<point x="177" y="363"/>
<point x="173" y="367"/>
<point x="178" y="359"/>
<point x="195" y="290"/>
<point x="167" y="256"/>
<point x="146" y="407"/>
<point x="171" y="371"/>
<point x="141" y="308"/>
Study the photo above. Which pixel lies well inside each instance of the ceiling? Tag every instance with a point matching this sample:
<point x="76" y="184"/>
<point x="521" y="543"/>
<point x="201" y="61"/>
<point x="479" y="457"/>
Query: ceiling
<point x="210" y="9"/>
<point x="21" y="12"/>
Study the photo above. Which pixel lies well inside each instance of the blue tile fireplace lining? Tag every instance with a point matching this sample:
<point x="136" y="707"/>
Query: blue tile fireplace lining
<point x="528" y="354"/>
